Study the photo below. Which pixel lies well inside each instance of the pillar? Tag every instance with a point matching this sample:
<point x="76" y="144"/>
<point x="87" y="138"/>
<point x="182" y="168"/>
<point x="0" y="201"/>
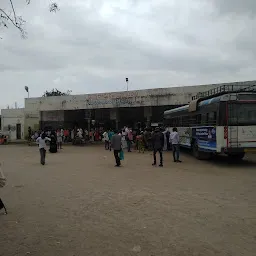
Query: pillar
<point x="148" y="115"/>
<point x="114" y="115"/>
<point x="88" y="115"/>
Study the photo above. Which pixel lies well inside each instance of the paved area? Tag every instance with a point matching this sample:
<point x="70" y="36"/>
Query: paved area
<point x="80" y="204"/>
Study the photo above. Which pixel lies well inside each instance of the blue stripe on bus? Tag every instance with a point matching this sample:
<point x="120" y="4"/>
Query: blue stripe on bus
<point x="209" y="101"/>
<point x="202" y="103"/>
<point x="207" y="149"/>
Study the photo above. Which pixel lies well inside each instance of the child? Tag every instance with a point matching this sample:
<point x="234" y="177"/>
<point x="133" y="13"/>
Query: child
<point x="141" y="144"/>
<point x="41" y="141"/>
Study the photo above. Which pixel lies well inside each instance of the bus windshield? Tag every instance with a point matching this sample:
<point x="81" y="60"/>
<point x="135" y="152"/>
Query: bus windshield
<point x="242" y="113"/>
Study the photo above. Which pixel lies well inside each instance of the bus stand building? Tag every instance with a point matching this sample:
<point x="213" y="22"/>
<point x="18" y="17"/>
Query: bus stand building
<point x="109" y="110"/>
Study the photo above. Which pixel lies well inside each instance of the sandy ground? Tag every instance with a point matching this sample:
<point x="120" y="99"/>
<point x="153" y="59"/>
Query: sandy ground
<point x="80" y="204"/>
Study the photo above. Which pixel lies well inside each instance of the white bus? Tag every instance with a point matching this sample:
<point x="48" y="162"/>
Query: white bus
<point x="222" y="120"/>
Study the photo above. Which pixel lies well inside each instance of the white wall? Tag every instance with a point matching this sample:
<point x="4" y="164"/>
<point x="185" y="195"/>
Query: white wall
<point x="12" y="117"/>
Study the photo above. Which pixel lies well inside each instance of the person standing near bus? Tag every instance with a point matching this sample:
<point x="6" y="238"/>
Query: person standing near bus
<point x="175" y="140"/>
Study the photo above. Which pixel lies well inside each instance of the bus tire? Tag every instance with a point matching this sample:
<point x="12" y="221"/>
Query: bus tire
<point x="200" y="155"/>
<point x="236" y="156"/>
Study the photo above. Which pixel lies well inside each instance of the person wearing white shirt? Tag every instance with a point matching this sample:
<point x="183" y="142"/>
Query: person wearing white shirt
<point x="106" y="140"/>
<point x="175" y="141"/>
<point x="79" y="134"/>
<point x="41" y="141"/>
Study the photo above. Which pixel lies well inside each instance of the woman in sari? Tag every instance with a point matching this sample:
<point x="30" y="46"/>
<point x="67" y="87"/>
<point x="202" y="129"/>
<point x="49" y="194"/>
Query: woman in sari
<point x="53" y="143"/>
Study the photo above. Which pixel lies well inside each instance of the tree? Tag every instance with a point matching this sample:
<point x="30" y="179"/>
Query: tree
<point x="56" y="92"/>
<point x="9" y="17"/>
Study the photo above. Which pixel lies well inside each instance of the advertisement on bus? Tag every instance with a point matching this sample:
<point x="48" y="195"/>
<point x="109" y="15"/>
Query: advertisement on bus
<point x="205" y="136"/>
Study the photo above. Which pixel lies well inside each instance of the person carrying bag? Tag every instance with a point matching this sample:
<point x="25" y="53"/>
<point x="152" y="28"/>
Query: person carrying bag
<point x="121" y="155"/>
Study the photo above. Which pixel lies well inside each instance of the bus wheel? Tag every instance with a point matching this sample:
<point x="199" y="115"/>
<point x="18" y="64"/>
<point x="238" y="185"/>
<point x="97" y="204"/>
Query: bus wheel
<point x="200" y="154"/>
<point x="236" y="156"/>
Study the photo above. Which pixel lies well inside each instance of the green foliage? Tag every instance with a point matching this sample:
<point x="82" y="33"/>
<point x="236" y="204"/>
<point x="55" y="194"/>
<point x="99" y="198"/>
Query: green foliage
<point x="56" y="92"/>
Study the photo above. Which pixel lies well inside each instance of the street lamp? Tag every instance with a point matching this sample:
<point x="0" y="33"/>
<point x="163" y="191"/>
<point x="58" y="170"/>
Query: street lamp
<point x="27" y="90"/>
<point x="127" y="81"/>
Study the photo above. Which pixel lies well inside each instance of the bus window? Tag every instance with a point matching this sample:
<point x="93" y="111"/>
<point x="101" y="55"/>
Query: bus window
<point x="172" y="122"/>
<point x="175" y="122"/>
<point x="192" y="120"/>
<point x="212" y="118"/>
<point x="222" y="114"/>
<point x="198" y="119"/>
<point x="185" y="121"/>
<point x="242" y="114"/>
<point x="204" y="119"/>
<point x="178" y="121"/>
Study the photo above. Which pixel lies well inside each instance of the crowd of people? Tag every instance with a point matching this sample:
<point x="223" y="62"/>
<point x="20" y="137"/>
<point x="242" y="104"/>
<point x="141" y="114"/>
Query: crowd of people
<point x="68" y="135"/>
<point x="56" y="138"/>
<point x="158" y="140"/>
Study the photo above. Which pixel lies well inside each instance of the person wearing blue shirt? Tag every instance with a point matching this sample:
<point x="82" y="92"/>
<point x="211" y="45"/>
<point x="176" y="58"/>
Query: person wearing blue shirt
<point x="110" y="135"/>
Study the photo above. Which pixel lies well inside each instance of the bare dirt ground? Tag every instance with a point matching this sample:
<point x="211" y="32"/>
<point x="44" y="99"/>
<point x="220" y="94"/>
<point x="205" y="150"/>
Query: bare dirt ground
<point x="80" y="204"/>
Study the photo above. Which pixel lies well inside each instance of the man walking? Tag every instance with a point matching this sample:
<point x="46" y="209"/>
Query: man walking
<point x="129" y="139"/>
<point x="158" y="144"/>
<point x="175" y="140"/>
<point x="116" y="144"/>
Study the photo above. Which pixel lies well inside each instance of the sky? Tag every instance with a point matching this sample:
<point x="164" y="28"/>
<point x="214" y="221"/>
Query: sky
<point x="91" y="46"/>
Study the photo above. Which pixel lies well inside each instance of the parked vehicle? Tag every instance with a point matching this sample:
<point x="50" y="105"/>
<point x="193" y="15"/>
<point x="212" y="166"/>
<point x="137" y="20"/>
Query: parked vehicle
<point x="220" y="121"/>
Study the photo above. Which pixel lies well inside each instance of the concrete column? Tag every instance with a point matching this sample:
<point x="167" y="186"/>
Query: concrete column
<point x="148" y="115"/>
<point x="117" y="122"/>
<point x="88" y="115"/>
<point x="89" y="124"/>
<point x="114" y="115"/>
<point x="148" y="121"/>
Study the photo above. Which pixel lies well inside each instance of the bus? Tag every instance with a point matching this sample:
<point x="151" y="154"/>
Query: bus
<point x="219" y="121"/>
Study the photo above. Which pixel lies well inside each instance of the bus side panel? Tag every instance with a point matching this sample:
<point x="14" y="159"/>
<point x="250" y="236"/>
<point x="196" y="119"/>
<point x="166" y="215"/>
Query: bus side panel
<point x="185" y="136"/>
<point x="220" y="141"/>
<point x="238" y="137"/>
<point x="205" y="137"/>
<point x="242" y="137"/>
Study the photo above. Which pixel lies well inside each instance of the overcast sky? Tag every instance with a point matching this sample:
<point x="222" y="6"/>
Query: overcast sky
<point x="93" y="45"/>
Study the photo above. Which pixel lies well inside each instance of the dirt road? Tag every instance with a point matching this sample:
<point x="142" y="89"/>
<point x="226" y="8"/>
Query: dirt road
<point x="80" y="204"/>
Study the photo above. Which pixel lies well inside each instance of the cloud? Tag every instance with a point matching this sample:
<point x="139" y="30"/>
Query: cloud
<point x="91" y="46"/>
<point x="236" y="7"/>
